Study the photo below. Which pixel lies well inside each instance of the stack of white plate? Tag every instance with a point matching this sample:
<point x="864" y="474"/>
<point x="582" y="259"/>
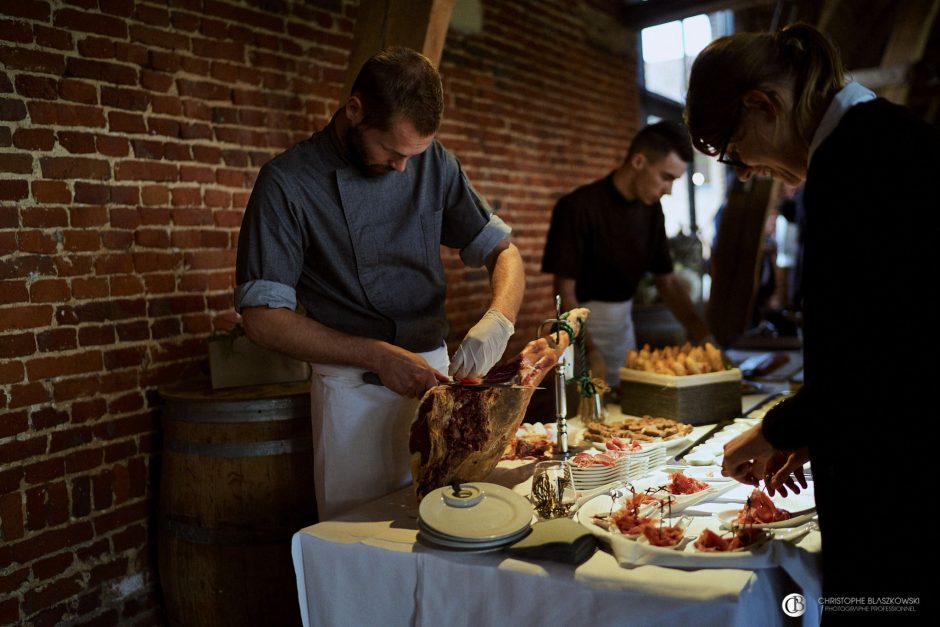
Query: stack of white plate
<point x="598" y="475"/>
<point x="628" y="467"/>
<point x="479" y="517"/>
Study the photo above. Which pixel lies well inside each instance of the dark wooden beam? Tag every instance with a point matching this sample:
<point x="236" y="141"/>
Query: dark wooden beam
<point x="417" y="24"/>
<point x="655" y="12"/>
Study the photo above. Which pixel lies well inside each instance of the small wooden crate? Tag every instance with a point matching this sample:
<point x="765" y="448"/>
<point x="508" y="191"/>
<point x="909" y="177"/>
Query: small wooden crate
<point x="693" y="399"/>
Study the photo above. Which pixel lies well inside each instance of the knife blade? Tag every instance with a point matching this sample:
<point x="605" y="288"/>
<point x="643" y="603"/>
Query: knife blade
<point x="373" y="378"/>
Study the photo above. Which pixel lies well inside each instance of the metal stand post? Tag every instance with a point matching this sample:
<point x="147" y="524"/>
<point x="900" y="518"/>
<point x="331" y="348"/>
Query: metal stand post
<point x="561" y="400"/>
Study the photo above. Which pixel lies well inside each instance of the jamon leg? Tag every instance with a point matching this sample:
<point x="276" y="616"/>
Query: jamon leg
<point x="460" y="433"/>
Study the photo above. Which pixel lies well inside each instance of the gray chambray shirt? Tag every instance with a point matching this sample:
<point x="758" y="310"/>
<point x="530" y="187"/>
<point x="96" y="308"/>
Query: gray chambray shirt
<point x="361" y="254"/>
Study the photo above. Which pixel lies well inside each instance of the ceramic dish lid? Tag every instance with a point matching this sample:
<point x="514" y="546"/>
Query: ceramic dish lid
<point x="479" y="511"/>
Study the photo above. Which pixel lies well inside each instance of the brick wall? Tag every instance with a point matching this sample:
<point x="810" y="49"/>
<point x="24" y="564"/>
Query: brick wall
<point x="130" y="135"/>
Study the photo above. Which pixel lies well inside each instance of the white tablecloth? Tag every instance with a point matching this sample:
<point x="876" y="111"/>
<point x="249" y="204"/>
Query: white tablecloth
<point x="367" y="568"/>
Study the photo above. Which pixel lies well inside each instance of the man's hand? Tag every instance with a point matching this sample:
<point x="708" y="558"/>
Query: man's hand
<point x="407" y="374"/>
<point x="746" y="456"/>
<point x="784" y="470"/>
<point x="482" y="347"/>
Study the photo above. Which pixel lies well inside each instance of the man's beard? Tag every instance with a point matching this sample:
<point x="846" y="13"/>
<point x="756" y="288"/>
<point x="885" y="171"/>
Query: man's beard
<point x="357" y="153"/>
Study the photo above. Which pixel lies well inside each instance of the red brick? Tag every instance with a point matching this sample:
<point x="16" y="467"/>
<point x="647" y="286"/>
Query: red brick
<point x="15" y="580"/>
<point x="121" y="122"/>
<point x="10" y="607"/>
<point x="75" y="168"/>
<point x="112" y="146"/>
<point x="96" y="287"/>
<point x="11" y="523"/>
<point x="87" y="22"/>
<point x="96" y="48"/>
<point x="132" y="537"/>
<point x="78" y="91"/>
<point x="65" y="114"/>
<point x="9" y="218"/>
<point x="91" y="194"/>
<point x="83" y="460"/>
<point x="82" y="241"/>
<point x="158" y="37"/>
<point x="46" y="418"/>
<point x="203" y="260"/>
<point x="45" y="217"/>
<point x="126" y="285"/>
<point x="20" y="32"/>
<point x="49" y="291"/>
<point x="56" y="340"/>
<point x="13" y="190"/>
<point x="6" y="137"/>
<point x="101" y="71"/>
<point x="195" y="66"/>
<point x="107" y="572"/>
<point x="36" y="242"/>
<point x="48" y="595"/>
<point x="47" y="367"/>
<point x="13" y="291"/>
<point x="70" y="389"/>
<point x="41" y="87"/>
<point x="32" y="60"/>
<point x="156" y="81"/>
<point x="29" y="317"/>
<point x="88" y="216"/>
<point x="96" y="336"/>
<point x="196" y="173"/>
<point x="12" y="109"/>
<point x="28" y="394"/>
<point x="164" y="126"/>
<point x="121" y="517"/>
<point x="25" y="265"/>
<point x="53" y="37"/>
<point x="203" y="90"/>
<point x="155" y="195"/>
<point x="10" y="372"/>
<point x="16" y="163"/>
<point x="76" y="142"/>
<point x="46" y="506"/>
<point x="130" y="99"/>
<point x="114" y="264"/>
<point x="207" y="154"/>
<point x="187" y="197"/>
<point x="128" y="219"/>
<point x="145" y="171"/>
<point x="13" y="424"/>
<point x="129" y="357"/>
<point x="157" y="16"/>
<point x="34" y="139"/>
<point x="22" y="449"/>
<point x="53" y="566"/>
<point x="54" y="192"/>
<point x="70" y="438"/>
<point x="18" y="345"/>
<point x="133" y="331"/>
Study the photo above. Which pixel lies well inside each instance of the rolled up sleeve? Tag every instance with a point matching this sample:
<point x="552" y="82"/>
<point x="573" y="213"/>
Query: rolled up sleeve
<point x="478" y="250"/>
<point x="265" y="294"/>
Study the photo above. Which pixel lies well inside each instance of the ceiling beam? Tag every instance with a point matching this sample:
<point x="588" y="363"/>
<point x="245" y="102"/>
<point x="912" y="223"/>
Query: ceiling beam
<point x="641" y="15"/>
<point x="417" y="24"/>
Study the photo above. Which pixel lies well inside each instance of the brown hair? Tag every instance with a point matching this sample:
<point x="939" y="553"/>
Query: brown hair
<point x="399" y="80"/>
<point x="730" y="66"/>
<point x="656" y="141"/>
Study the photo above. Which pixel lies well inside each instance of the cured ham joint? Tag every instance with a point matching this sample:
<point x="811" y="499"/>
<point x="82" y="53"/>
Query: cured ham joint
<point x="460" y="433"/>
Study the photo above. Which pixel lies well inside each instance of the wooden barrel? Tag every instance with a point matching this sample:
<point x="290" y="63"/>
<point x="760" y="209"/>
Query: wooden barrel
<point x="236" y="483"/>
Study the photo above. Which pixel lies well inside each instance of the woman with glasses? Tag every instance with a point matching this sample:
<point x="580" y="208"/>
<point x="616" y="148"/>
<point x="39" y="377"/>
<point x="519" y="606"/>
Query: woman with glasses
<point x="778" y="104"/>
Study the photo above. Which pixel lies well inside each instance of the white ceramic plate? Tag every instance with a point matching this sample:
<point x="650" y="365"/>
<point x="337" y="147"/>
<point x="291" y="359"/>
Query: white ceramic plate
<point x="457" y="543"/>
<point x="728" y="517"/>
<point x="499" y="514"/>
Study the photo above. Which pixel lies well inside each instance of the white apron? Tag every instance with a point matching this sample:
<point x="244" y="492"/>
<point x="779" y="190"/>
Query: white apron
<point x="611" y="329"/>
<point x="360" y="436"/>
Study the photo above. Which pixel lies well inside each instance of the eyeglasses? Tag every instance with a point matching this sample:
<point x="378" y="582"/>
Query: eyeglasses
<point x="731" y="157"/>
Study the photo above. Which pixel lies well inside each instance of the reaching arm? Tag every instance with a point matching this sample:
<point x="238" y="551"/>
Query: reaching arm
<point x="507" y="279"/>
<point x="677" y="298"/>
<point x="302" y="338"/>
<point x="486" y="341"/>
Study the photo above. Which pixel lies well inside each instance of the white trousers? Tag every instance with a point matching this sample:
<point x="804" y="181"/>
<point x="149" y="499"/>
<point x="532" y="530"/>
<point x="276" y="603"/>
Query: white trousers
<point x="611" y="329"/>
<point x="360" y="436"/>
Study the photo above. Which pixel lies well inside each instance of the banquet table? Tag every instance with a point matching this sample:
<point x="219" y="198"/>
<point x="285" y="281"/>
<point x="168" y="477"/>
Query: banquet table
<point x="369" y="568"/>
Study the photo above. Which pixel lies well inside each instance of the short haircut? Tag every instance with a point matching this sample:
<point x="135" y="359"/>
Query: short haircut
<point x="656" y="141"/>
<point x="396" y="81"/>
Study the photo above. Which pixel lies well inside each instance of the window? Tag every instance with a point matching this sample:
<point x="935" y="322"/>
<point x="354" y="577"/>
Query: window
<point x="668" y="51"/>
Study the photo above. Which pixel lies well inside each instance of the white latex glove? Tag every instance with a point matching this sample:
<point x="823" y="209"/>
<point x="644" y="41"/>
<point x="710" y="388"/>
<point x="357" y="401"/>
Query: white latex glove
<point x="482" y="347"/>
